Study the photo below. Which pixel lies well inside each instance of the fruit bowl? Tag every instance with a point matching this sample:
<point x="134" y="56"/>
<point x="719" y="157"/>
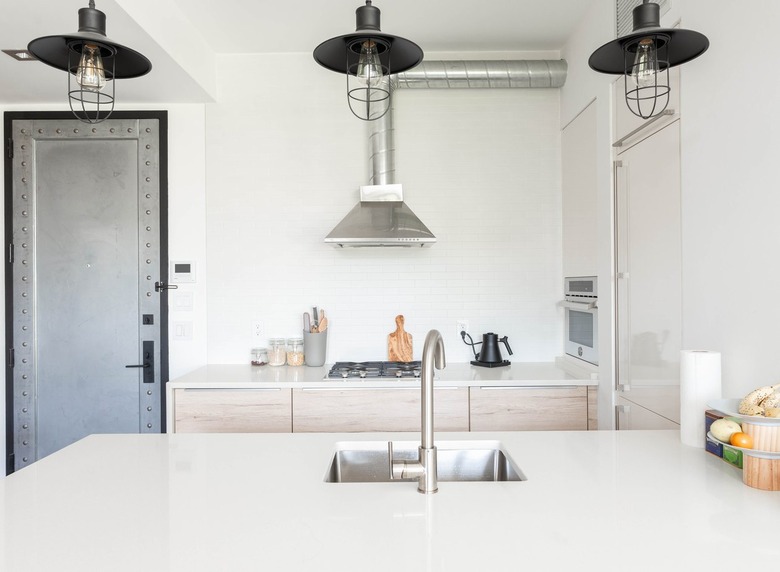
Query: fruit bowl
<point x="730" y="408"/>
<point x="761" y="465"/>
<point x="751" y="452"/>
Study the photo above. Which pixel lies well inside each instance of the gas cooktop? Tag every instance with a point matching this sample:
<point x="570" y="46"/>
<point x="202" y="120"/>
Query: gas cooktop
<point x="374" y="369"/>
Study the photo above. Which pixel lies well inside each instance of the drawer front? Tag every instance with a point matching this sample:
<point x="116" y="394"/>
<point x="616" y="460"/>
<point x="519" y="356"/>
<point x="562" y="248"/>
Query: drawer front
<point x="233" y="411"/>
<point x="529" y="409"/>
<point x="593" y="408"/>
<point x="354" y="410"/>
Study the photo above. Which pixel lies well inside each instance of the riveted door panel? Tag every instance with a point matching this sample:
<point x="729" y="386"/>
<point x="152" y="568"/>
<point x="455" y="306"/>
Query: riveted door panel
<point x="86" y="244"/>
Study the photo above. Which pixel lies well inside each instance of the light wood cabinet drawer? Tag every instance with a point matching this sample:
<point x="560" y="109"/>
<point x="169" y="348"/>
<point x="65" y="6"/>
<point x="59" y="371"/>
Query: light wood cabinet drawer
<point x="593" y="408"/>
<point x="529" y="408"/>
<point x="351" y="410"/>
<point x="266" y="410"/>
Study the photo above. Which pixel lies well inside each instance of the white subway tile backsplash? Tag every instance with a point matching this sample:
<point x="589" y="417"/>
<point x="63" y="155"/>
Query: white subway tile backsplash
<point x="479" y="167"/>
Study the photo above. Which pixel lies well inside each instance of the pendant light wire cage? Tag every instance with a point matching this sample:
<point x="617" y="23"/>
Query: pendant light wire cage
<point x="91" y="83"/>
<point x="368" y="89"/>
<point x="647" y="94"/>
<point x="91" y="105"/>
<point x="368" y="57"/>
<point x="647" y="90"/>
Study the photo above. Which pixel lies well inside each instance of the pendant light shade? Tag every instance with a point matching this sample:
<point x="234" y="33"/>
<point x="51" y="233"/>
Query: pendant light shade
<point x="645" y="56"/>
<point x="368" y="57"/>
<point x="93" y="62"/>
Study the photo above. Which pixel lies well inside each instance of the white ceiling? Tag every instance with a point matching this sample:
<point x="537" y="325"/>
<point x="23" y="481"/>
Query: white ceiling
<point x="246" y="26"/>
<point x="182" y="37"/>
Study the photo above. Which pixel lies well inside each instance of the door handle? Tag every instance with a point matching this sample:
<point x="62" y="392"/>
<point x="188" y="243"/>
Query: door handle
<point x="148" y="365"/>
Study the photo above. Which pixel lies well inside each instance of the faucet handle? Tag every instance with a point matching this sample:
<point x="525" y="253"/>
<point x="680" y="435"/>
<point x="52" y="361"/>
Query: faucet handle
<point x="390" y="458"/>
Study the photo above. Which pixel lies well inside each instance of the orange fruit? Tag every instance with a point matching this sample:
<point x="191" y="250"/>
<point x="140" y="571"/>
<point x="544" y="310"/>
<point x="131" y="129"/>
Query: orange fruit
<point x="741" y="439"/>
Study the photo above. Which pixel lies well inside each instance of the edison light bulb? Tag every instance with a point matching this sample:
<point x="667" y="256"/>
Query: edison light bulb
<point x="90" y="74"/>
<point x="645" y="66"/>
<point x="369" y="67"/>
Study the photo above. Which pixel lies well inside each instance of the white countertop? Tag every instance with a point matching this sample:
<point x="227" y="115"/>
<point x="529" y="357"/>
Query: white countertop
<point x="612" y="501"/>
<point x="455" y="374"/>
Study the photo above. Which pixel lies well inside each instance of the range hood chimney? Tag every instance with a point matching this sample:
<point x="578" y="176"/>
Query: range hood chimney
<point x="382" y="218"/>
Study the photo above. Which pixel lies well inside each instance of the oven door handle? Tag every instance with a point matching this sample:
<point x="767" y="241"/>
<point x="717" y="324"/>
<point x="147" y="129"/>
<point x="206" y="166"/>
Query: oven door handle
<point x="582" y="306"/>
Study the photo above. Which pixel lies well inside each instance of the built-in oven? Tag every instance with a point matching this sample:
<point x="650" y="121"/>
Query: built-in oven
<point x="582" y="319"/>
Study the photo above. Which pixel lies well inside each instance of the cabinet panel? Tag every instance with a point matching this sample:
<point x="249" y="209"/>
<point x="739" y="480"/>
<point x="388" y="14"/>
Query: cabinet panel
<point x="633" y="416"/>
<point x="649" y="263"/>
<point x="579" y="183"/>
<point x="593" y="408"/>
<point x="529" y="408"/>
<point x="233" y="410"/>
<point x="350" y="410"/>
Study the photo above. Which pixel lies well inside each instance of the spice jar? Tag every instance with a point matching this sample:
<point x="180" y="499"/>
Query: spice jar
<point x="295" y="351"/>
<point x="276" y="351"/>
<point x="259" y="356"/>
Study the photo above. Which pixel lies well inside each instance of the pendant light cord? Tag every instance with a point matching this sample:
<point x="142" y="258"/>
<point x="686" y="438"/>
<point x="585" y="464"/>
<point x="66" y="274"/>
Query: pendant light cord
<point x="92" y="3"/>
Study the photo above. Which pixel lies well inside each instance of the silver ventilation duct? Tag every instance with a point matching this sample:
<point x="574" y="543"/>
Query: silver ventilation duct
<point x="381" y="218"/>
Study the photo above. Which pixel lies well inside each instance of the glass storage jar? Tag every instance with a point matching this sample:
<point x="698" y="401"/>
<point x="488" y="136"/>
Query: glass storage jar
<point x="295" y="351"/>
<point x="259" y="356"/>
<point x="276" y="351"/>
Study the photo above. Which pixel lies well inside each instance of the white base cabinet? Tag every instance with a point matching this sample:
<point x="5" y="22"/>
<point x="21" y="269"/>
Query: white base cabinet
<point x="633" y="416"/>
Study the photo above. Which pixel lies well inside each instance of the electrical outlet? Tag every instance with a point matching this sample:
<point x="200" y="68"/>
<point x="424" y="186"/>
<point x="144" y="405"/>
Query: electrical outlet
<point x="258" y="331"/>
<point x="463" y="326"/>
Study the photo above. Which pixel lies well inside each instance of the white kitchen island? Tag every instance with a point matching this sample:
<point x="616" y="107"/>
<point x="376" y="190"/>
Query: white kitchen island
<point x="594" y="500"/>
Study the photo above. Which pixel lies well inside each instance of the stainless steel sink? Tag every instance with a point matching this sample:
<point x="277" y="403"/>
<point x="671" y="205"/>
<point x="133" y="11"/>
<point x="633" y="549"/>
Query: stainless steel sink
<point x="368" y="462"/>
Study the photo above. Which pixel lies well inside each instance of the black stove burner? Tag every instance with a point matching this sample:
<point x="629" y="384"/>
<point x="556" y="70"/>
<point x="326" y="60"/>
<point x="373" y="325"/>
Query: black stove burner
<point x="374" y="369"/>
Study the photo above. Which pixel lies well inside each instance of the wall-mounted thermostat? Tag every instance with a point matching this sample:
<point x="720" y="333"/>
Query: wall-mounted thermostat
<point x="182" y="271"/>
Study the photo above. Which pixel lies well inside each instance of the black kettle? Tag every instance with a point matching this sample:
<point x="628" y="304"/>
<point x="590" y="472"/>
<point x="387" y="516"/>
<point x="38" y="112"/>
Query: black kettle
<point x="490" y="354"/>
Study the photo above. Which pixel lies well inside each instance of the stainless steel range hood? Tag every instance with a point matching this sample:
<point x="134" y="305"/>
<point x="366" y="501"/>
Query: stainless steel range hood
<point x="381" y="218"/>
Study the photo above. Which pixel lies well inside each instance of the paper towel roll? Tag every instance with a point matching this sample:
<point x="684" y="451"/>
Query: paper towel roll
<point x="699" y="384"/>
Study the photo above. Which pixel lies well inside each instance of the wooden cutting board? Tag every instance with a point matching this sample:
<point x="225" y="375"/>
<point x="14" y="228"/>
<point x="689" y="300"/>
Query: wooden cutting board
<point x="399" y="342"/>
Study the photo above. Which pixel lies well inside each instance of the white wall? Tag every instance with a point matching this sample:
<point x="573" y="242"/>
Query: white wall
<point x="729" y="179"/>
<point x="285" y="160"/>
<point x="730" y="183"/>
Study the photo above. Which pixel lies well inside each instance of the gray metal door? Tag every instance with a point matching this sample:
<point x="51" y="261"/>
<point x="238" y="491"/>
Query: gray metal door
<point x="85" y="256"/>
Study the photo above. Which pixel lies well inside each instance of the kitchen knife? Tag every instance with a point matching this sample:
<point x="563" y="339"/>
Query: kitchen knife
<point x="316" y="316"/>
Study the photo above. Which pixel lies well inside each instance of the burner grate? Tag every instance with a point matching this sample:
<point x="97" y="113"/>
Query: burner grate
<point x="374" y="369"/>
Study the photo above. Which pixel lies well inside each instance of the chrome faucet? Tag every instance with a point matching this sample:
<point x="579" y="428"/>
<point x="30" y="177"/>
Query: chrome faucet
<point x="424" y="469"/>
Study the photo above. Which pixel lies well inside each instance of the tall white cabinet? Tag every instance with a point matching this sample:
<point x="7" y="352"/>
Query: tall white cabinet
<point x="648" y="272"/>
<point x="579" y="184"/>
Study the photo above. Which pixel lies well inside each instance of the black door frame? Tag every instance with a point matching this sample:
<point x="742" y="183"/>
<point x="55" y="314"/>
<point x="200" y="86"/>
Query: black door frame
<point x="9" y="118"/>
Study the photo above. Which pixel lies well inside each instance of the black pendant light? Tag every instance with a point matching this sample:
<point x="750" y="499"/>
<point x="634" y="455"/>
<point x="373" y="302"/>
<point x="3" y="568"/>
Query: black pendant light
<point x="92" y="62"/>
<point x="368" y="57"/>
<point x="645" y="56"/>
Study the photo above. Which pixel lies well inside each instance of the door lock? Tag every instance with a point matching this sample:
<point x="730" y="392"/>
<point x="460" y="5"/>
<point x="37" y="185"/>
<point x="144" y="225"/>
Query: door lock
<point x="148" y="365"/>
<point x="160" y="286"/>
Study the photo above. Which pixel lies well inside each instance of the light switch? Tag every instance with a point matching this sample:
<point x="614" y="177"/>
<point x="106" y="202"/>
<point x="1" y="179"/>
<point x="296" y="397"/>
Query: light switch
<point x="182" y="331"/>
<point x="183" y="300"/>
